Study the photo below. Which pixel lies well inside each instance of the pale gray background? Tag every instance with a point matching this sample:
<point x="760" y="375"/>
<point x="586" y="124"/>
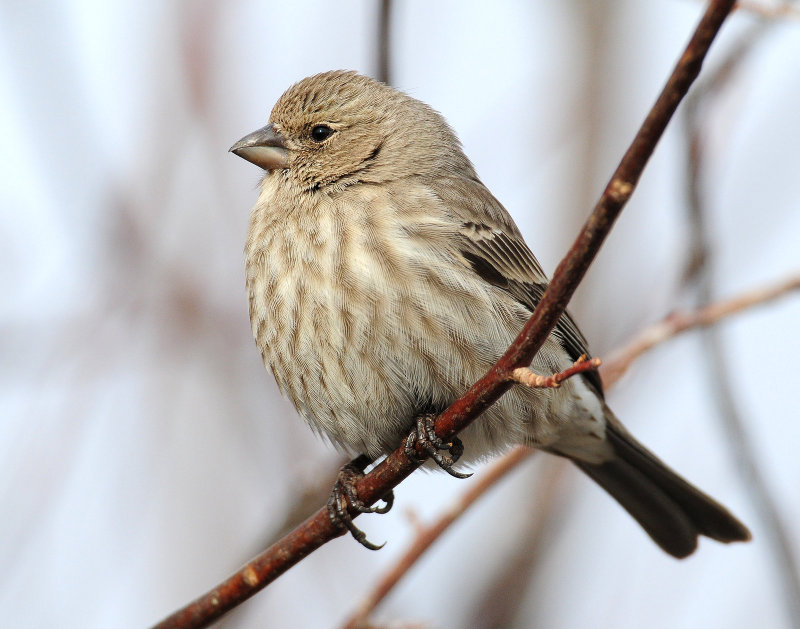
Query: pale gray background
<point x="144" y="450"/>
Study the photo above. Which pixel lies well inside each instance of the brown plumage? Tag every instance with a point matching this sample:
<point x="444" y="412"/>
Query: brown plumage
<point x="384" y="279"/>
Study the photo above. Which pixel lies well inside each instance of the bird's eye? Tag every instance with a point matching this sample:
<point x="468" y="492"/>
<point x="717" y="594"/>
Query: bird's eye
<point x="321" y="132"/>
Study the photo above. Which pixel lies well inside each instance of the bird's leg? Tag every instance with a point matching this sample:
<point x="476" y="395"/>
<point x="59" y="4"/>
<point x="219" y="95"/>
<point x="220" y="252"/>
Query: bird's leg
<point x="525" y="376"/>
<point x="344" y="492"/>
<point x="426" y="437"/>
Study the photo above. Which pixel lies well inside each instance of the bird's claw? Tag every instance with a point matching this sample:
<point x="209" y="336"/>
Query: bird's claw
<point x="344" y="493"/>
<point x="426" y="437"/>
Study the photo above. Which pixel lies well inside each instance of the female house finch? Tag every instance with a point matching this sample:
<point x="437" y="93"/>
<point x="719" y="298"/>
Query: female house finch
<point x="384" y="279"/>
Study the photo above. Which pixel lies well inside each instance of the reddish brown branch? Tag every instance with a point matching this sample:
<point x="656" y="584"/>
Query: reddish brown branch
<point x="429" y="534"/>
<point x="318" y="529"/>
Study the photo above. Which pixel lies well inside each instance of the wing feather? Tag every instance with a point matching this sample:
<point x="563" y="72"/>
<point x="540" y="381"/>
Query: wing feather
<point x="492" y="247"/>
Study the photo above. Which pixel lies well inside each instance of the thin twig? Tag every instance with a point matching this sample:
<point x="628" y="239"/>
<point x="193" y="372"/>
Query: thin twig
<point x="397" y="466"/>
<point x="772" y="12"/>
<point x="620" y="360"/>
<point x="383" y="72"/>
<point x="527" y="377"/>
<point x="499" y="604"/>
<point x="613" y="369"/>
<point x="783" y="554"/>
<point x="429" y="534"/>
<point x="778" y="539"/>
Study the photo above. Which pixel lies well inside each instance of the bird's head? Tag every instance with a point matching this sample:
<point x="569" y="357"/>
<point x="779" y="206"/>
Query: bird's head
<point x="340" y="128"/>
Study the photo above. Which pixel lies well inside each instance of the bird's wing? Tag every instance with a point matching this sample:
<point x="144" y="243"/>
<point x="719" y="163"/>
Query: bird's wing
<point x="492" y="246"/>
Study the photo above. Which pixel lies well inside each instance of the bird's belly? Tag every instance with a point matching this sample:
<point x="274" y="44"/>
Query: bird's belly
<point x="364" y="343"/>
<point x="355" y="353"/>
<point x="334" y="364"/>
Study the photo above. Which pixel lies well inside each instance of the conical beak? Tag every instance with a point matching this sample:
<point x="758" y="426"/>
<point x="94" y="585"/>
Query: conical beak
<point x="265" y="148"/>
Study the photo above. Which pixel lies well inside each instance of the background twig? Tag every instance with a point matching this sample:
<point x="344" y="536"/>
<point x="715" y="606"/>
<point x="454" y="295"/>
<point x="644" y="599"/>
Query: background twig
<point x="700" y="270"/>
<point x="384" y="32"/>
<point x="619" y="361"/>
<point x="427" y="535"/>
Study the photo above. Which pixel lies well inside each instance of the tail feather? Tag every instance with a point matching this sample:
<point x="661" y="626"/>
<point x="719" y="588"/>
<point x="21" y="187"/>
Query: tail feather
<point x="672" y="511"/>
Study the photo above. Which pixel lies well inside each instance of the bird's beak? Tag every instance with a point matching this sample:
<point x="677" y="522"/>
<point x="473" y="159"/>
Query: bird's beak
<point x="265" y="148"/>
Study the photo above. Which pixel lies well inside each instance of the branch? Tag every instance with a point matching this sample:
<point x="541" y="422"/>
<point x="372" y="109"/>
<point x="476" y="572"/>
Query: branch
<point x="699" y="269"/>
<point x="383" y="71"/>
<point x="620" y="360"/>
<point x="429" y="534"/>
<point x="776" y="12"/>
<point x="318" y="529"/>
<point x="612" y="370"/>
<point x="524" y="375"/>
<point x="500" y="601"/>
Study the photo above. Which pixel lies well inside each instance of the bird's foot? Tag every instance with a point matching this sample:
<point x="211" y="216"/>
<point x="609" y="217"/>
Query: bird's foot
<point x="344" y="493"/>
<point x="426" y="437"/>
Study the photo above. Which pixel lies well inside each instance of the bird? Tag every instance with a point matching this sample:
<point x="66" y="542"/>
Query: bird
<point x="384" y="278"/>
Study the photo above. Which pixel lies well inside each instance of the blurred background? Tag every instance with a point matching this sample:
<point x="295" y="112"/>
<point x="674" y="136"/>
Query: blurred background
<point x="145" y="452"/>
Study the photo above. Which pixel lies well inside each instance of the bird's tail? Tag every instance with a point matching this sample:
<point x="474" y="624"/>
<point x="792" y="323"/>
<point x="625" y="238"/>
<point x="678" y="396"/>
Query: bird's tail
<point x="672" y="511"/>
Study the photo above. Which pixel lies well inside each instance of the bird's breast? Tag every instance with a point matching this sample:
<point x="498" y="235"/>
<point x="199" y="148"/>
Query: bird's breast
<point x="345" y="315"/>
